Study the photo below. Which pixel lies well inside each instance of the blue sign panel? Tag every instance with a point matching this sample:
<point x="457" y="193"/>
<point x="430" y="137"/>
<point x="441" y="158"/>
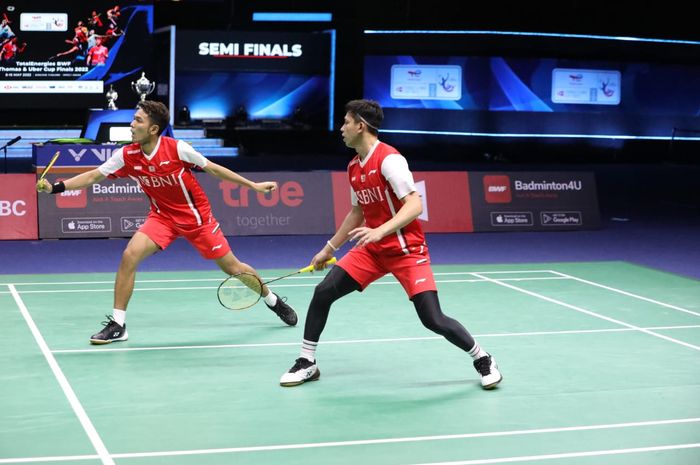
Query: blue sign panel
<point x="72" y="155"/>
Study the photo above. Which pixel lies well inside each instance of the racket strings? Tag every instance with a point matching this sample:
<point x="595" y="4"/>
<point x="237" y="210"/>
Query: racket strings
<point x="243" y="290"/>
<point x="240" y="291"/>
<point x="251" y="282"/>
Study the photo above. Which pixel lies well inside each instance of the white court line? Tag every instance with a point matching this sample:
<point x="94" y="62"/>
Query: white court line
<point x="589" y="312"/>
<point x="525" y="458"/>
<point x="85" y="422"/>
<point x="628" y="294"/>
<point x="361" y="341"/>
<point x="414" y="439"/>
<point x="200" y="288"/>
<point x="187" y="280"/>
<point x="58" y="458"/>
<point x="568" y="455"/>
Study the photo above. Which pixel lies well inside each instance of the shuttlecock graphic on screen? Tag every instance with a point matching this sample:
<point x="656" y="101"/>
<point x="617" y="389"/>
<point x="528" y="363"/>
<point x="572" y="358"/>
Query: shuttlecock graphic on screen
<point x="420" y="187"/>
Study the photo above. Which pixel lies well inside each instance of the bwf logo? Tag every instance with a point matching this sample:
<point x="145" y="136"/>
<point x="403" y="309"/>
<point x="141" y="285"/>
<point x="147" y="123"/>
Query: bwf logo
<point x="497" y="189"/>
<point x="72" y="199"/>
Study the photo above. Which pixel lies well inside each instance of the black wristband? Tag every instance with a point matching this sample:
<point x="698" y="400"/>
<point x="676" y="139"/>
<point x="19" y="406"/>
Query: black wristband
<point x="58" y="187"/>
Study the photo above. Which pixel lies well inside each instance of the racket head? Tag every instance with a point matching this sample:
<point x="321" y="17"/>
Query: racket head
<point x="240" y="291"/>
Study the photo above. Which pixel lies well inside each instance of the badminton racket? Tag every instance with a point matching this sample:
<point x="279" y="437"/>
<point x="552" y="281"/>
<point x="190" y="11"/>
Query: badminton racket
<point x="243" y="290"/>
<point x="48" y="167"/>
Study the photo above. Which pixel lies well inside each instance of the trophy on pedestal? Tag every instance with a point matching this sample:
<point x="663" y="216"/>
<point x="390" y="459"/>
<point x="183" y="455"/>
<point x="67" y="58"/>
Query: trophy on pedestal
<point x="112" y="96"/>
<point x="143" y="86"/>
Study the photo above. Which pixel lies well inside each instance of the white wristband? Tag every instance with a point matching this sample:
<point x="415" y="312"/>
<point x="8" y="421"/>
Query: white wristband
<point x="334" y="248"/>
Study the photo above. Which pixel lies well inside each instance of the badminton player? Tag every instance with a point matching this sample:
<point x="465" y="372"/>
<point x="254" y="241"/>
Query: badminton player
<point x="179" y="207"/>
<point x="383" y="223"/>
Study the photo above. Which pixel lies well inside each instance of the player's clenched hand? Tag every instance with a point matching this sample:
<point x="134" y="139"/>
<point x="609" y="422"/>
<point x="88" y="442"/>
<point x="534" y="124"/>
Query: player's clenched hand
<point x="267" y="186"/>
<point x="44" y="186"/>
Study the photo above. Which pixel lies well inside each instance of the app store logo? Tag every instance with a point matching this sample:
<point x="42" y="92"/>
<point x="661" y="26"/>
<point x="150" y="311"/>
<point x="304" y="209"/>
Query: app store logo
<point x="86" y="225"/>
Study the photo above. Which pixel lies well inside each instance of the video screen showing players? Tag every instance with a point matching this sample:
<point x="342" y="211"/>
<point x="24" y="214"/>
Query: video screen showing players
<point x="67" y="54"/>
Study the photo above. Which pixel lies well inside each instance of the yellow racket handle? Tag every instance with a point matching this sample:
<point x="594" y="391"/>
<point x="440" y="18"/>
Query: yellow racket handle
<point x="46" y="170"/>
<point x="311" y="267"/>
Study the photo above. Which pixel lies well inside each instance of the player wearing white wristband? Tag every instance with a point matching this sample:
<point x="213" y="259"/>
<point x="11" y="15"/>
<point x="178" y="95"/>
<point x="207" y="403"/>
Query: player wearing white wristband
<point x="383" y="221"/>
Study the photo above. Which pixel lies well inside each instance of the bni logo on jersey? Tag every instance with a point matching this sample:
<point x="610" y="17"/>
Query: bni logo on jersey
<point x="497" y="189"/>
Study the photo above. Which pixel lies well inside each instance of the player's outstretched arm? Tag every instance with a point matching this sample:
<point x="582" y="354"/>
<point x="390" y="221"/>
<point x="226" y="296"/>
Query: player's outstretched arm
<point x="80" y="181"/>
<point x="226" y="174"/>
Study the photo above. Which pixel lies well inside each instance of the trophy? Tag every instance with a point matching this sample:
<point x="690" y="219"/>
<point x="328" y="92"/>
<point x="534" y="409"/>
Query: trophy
<point x="112" y="96"/>
<point x="143" y="86"/>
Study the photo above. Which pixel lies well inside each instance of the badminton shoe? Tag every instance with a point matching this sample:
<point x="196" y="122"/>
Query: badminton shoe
<point x="111" y="332"/>
<point x="487" y="368"/>
<point x="302" y="371"/>
<point x="284" y="311"/>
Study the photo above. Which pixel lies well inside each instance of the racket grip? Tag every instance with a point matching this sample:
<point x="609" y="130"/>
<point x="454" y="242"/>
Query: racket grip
<point x="311" y="267"/>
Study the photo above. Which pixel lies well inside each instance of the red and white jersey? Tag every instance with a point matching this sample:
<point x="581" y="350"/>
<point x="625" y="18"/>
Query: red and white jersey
<point x="165" y="176"/>
<point x="378" y="183"/>
<point x="98" y="54"/>
<point x="8" y="50"/>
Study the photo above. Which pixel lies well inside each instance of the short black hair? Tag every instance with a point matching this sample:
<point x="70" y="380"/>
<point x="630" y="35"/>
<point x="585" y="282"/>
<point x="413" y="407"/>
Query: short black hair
<point x="368" y="110"/>
<point x="158" y="113"/>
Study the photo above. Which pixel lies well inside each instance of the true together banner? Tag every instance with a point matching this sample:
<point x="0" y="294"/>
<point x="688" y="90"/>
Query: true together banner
<point x="118" y="207"/>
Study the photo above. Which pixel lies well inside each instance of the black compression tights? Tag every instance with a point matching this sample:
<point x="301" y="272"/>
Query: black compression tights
<point x="335" y="285"/>
<point x="428" y="309"/>
<point x="338" y="283"/>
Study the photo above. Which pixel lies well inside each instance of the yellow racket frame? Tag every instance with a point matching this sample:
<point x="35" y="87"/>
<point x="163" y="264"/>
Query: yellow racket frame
<point x="48" y="167"/>
<point x="222" y="287"/>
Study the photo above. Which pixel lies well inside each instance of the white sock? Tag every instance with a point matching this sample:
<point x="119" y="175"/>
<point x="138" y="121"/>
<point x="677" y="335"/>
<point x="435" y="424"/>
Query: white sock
<point x="270" y="299"/>
<point x="119" y="316"/>
<point x="308" y="350"/>
<point x="477" y="352"/>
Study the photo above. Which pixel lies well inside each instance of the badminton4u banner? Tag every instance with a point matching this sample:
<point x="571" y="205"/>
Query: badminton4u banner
<point x="457" y="201"/>
<point x="534" y="201"/>
<point x="112" y="208"/>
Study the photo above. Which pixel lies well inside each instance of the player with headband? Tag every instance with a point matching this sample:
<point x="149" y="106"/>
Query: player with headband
<point x="384" y="224"/>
